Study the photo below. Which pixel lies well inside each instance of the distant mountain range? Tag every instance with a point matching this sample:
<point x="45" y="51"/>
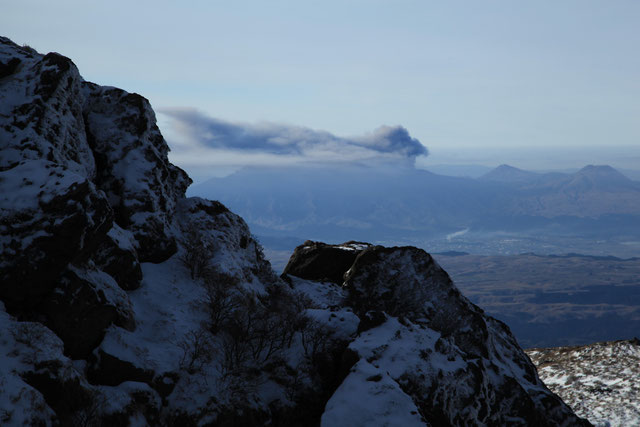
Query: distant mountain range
<point x="341" y="203"/>
<point x="592" y="192"/>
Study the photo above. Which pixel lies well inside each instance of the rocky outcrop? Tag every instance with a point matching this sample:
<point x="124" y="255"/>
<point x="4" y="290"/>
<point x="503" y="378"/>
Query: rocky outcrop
<point x="61" y="217"/>
<point x="142" y="187"/>
<point x="86" y="193"/>
<point x="407" y="282"/>
<point x="436" y="355"/>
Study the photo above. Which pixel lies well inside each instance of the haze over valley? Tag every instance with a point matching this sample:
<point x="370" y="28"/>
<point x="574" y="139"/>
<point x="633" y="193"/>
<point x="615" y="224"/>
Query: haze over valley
<point x="594" y="211"/>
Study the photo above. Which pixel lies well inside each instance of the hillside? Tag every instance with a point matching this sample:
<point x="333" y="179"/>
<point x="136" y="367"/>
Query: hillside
<point x="126" y="303"/>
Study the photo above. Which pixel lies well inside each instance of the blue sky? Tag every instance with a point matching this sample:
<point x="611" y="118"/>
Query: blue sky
<point x="465" y="78"/>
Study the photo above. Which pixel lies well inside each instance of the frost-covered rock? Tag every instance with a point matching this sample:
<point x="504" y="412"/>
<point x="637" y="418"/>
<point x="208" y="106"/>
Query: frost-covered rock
<point x="39" y="385"/>
<point x="437" y="351"/>
<point x="85" y="190"/>
<point x="141" y="185"/>
<point x="82" y="306"/>
<point x="86" y="194"/>
<point x="599" y="381"/>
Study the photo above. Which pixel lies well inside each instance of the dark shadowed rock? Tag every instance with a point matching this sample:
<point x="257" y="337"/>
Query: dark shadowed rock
<point x="82" y="306"/>
<point x="116" y="255"/>
<point x="41" y="240"/>
<point x="407" y="282"/>
<point x="108" y="369"/>
<point x="322" y="262"/>
<point x="77" y="158"/>
<point x="8" y="68"/>
<point x="68" y="395"/>
<point x="371" y="319"/>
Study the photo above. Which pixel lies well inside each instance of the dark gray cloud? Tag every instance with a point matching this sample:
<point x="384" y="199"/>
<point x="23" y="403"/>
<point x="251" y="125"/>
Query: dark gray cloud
<point x="387" y="143"/>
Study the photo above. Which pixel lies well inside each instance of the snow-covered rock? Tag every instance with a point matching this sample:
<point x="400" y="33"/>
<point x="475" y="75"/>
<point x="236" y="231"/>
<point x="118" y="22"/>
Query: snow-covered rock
<point x="141" y="185"/>
<point x="125" y="303"/>
<point x="599" y="381"/>
<point x="457" y="365"/>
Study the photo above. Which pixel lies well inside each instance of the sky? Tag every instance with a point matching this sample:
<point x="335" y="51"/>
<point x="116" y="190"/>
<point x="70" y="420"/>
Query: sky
<point x="542" y="84"/>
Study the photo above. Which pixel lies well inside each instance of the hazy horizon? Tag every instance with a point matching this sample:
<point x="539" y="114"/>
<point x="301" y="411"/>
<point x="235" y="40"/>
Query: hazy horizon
<point x="465" y="162"/>
<point x="542" y="85"/>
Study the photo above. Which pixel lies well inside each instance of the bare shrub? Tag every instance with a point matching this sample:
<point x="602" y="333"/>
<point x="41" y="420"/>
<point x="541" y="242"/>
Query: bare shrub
<point x="221" y="298"/>
<point x="296" y="380"/>
<point x="88" y="415"/>
<point x="251" y="335"/>
<point x="197" y="250"/>
<point x="316" y="338"/>
<point x="259" y="328"/>
<point x="197" y="350"/>
<point x="30" y="334"/>
<point x="288" y="309"/>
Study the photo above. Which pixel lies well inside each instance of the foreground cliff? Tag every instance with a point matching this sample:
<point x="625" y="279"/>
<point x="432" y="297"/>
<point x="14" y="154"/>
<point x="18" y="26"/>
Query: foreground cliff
<point x="123" y="302"/>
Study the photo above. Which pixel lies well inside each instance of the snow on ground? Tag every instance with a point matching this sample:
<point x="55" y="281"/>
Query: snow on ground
<point x="165" y="308"/>
<point x="370" y="397"/>
<point x="598" y="381"/>
<point x="322" y="294"/>
<point x="21" y="404"/>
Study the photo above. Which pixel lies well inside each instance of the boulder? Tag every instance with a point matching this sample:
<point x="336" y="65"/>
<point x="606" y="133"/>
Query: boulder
<point x="407" y="282"/>
<point x="108" y="369"/>
<point x="322" y="262"/>
<point x="83" y="305"/>
<point x="116" y="255"/>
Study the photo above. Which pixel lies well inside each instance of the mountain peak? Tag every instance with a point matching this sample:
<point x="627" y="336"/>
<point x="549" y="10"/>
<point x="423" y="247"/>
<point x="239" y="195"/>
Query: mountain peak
<point x="505" y="166"/>
<point x="507" y="173"/>
<point x="601" y="177"/>
<point x="601" y="170"/>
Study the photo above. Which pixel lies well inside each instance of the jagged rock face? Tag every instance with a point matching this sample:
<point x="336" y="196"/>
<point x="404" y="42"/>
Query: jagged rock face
<point x="437" y="355"/>
<point x="141" y="185"/>
<point x="41" y="386"/>
<point x="86" y="190"/>
<point x="40" y="240"/>
<point x="236" y="251"/>
<point x="407" y="282"/>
